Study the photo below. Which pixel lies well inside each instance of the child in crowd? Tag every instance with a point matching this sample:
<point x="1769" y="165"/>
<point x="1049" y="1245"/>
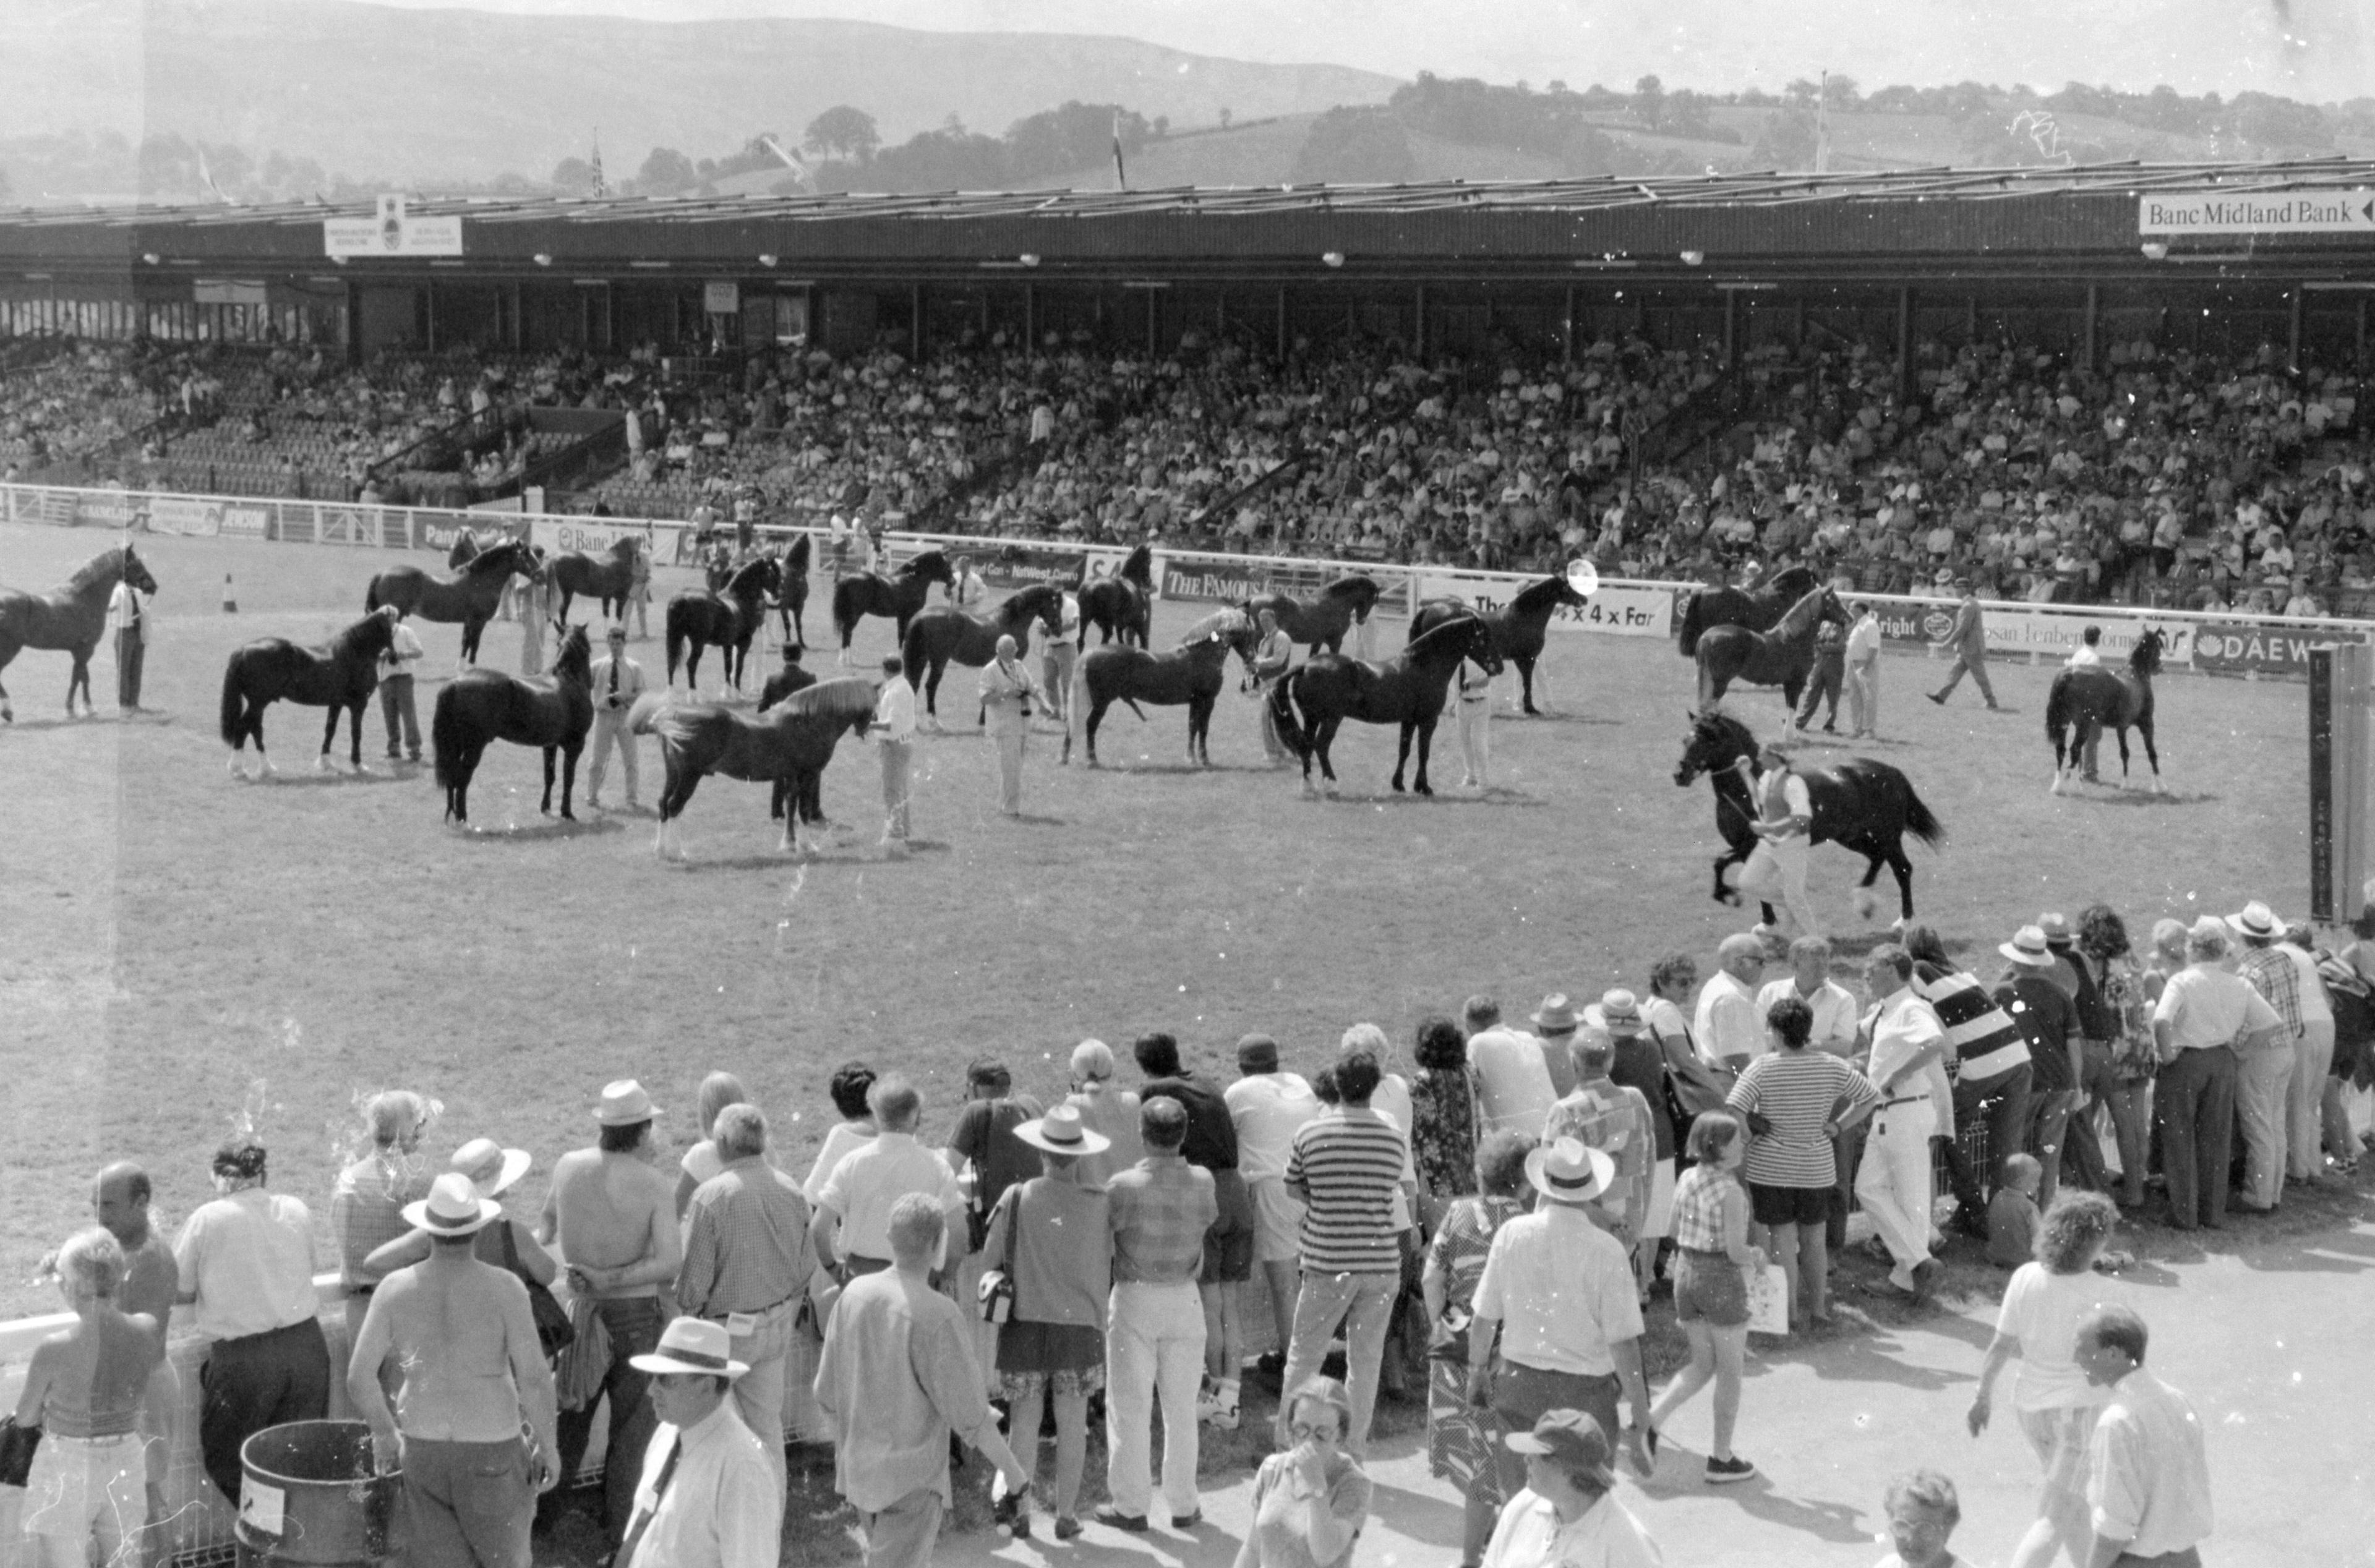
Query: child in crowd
<point x="2011" y="1213"/>
<point x="1922" y="1512"/>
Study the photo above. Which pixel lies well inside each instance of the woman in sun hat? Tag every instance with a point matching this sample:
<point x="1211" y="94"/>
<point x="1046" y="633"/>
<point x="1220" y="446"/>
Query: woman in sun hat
<point x="492" y="1171"/>
<point x="2048" y="1019"/>
<point x="1050" y="1237"/>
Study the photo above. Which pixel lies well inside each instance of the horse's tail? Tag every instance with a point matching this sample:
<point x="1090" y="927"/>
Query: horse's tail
<point x="1690" y="628"/>
<point x="675" y="639"/>
<point x="371" y="597"/>
<point x="234" y="697"/>
<point x="1281" y="710"/>
<point x="445" y="736"/>
<point x="913" y="652"/>
<point x="1076" y="702"/>
<point x="2060" y="709"/>
<point x="1920" y="823"/>
<point x="642" y="717"/>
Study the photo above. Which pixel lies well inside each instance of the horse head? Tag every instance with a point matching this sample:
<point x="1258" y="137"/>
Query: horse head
<point x="1464" y="637"/>
<point x="1834" y="612"/>
<point x="1360" y="592"/>
<point x="1044" y="600"/>
<point x="1715" y="743"/>
<point x="136" y="572"/>
<point x="2145" y="658"/>
<point x="575" y="659"/>
<point x="930" y="567"/>
<point x="1138" y="568"/>
<point x="753" y="579"/>
<point x="501" y="561"/>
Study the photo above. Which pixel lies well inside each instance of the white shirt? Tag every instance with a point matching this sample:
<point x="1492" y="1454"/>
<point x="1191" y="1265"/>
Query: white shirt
<point x="845" y="1137"/>
<point x="1392" y="1101"/>
<point x="1835" y="1013"/>
<point x="873" y="1176"/>
<point x="403" y="652"/>
<point x="894" y="710"/>
<point x="1268" y="1109"/>
<point x="630" y="683"/>
<point x="1902" y="1025"/>
<point x="1727" y="1024"/>
<point x="2083" y="657"/>
<point x="250" y="1259"/>
<point x="2147" y="1476"/>
<point x="1514" y="1090"/>
<point x="125" y="612"/>
<point x="2316" y="1007"/>
<point x="1563" y="1291"/>
<point x="720" y="1509"/>
<point x="1864" y="640"/>
<point x="2042" y="1311"/>
<point x="1530" y="1536"/>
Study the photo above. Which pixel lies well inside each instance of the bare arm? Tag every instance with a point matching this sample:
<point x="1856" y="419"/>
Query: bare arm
<point x="2001" y="1348"/>
<point x="1627" y="1356"/>
<point x="1481" y="1332"/>
<point x="825" y="1236"/>
<point x="363" y="1385"/>
<point x="533" y="1378"/>
<point x="1435" y="1288"/>
<point x="402" y="1253"/>
<point x="37" y="1384"/>
<point x="537" y="1263"/>
<point x="685" y="1187"/>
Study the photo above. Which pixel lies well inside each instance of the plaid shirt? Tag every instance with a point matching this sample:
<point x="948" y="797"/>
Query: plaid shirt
<point x="1160" y="1209"/>
<point x="1698" y="1208"/>
<point x="2275" y="978"/>
<point x="367" y="1210"/>
<point x="746" y="1242"/>
<point x="1615" y="1119"/>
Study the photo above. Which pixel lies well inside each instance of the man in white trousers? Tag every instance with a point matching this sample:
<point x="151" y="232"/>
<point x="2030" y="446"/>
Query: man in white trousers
<point x="618" y="681"/>
<point x="1863" y="674"/>
<point x="1893" y="1183"/>
<point x="895" y="734"/>
<point x="1785" y="818"/>
<point x="1475" y="699"/>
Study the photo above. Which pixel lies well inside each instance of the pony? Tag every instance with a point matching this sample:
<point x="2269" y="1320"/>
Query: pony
<point x="1322" y="622"/>
<point x="1756" y="609"/>
<point x="465" y="548"/>
<point x="1191" y="673"/>
<point x="483" y="705"/>
<point x="1783" y="656"/>
<point x="470" y="597"/>
<point x="2093" y="700"/>
<point x="792" y="588"/>
<point x="789" y="743"/>
<point x="945" y="634"/>
<point x="1121" y="605"/>
<point x="610" y="579"/>
<point x="1407" y="689"/>
<point x="899" y="597"/>
<point x="272" y="669"/>
<point x="1860" y="805"/>
<point x="1519" y="627"/>
<point x="71" y="618"/>
<point x="728" y="619"/>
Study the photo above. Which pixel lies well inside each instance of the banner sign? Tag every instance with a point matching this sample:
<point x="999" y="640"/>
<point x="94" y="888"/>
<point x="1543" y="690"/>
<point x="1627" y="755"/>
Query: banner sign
<point x="243" y="523"/>
<point x="721" y="299"/>
<point x="2011" y="632"/>
<point x="2261" y="212"/>
<point x="2229" y="648"/>
<point x="590" y="536"/>
<point x="185" y="515"/>
<point x="1210" y="579"/>
<point x="1019" y="566"/>
<point x="391" y="231"/>
<point x="1621" y="612"/>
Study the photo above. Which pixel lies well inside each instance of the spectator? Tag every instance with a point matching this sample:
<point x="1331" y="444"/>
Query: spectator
<point x="1968" y="639"/>
<point x="1809" y="981"/>
<point x="1804" y="1098"/>
<point x="1443" y="1116"/>
<point x="1713" y="1261"/>
<point x="894" y="735"/>
<point x="2264" y="1072"/>
<point x="1161" y="1209"/>
<point x="1310" y="1500"/>
<point x="1270" y="1107"/>
<point x="618" y="680"/>
<point x="83" y="1391"/>
<point x="1603" y="1115"/>
<point x="2147" y="1469"/>
<point x="1924" y="1510"/>
<point x="1462" y="1439"/>
<point x="1694" y="1086"/>
<point x="1556" y="1299"/>
<point x="245" y="1259"/>
<point x="151" y="1281"/>
<point x="851" y="1231"/>
<point x="2204" y="1017"/>
<point x="2038" y="1327"/>
<point x="1105" y="1109"/>
<point x="397" y="708"/>
<point x="1210" y="1145"/>
<point x="2119" y="1066"/>
<point x="987" y="1159"/>
<point x="1566" y="1512"/>
<point x="703" y="1161"/>
<point x="463" y="1341"/>
<point x="2013" y="1215"/>
<point x="705" y="1498"/>
<point x="612" y="1216"/>
<point x="849" y="1087"/>
<point x="747" y="1264"/>
<point x="2312" y="1068"/>
<point x="1053" y="1235"/>
<point x="1639" y="1065"/>
<point x="1991" y="1067"/>
<point x="1906" y="1065"/>
<point x="1510" y="1071"/>
<point x="1556" y="1022"/>
<point x="1863" y="673"/>
<point x="366" y="1204"/>
<point x="1728" y="1027"/>
<point x="2048" y="1021"/>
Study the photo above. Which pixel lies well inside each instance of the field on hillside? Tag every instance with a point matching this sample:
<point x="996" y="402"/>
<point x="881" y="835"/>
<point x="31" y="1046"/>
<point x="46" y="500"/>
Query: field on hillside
<point x="181" y="954"/>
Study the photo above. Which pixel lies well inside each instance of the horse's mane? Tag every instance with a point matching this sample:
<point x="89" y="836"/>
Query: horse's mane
<point x="757" y="565"/>
<point x="1723" y="723"/>
<point x="625" y="547"/>
<point x="796" y="559"/>
<point x="1784" y="579"/>
<point x="1352" y="587"/>
<point x="1443" y="633"/>
<point x="1534" y="596"/>
<point x="97" y="567"/>
<point x="916" y="565"/>
<point x="1140" y="567"/>
<point x="844" y="697"/>
<point x="1013" y="611"/>
<point x="1220" y="623"/>
<point x="1799" y="616"/>
<point x="480" y="564"/>
<point x="575" y="649"/>
<point x="359" y="635"/>
<point x="2140" y="661"/>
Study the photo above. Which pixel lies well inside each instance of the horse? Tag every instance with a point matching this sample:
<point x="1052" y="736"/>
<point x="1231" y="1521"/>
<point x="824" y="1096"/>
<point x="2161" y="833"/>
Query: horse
<point x="71" y="618"/>
<point x="1783" y="656"/>
<point x="2092" y="700"/>
<point x="792" y="589"/>
<point x="469" y="596"/>
<point x="870" y="593"/>
<point x="1191" y="673"/>
<point x="789" y="743"/>
<point x="1121" y="605"/>
<point x="612" y="578"/>
<point x="1859" y="805"/>
<point x="1407" y="689"/>
<point x="729" y="618"/>
<point x="464" y="549"/>
<point x="342" y="675"/>
<point x="1756" y="609"/>
<point x="944" y="633"/>
<point x="1322" y="622"/>
<point x="1519" y="628"/>
<point x="484" y="705"/>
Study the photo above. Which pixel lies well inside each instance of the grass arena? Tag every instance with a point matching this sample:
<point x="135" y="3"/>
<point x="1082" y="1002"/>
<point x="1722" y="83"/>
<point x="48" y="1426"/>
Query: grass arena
<point x="181" y="952"/>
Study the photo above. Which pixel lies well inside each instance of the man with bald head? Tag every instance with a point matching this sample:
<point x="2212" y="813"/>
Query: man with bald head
<point x="1729" y="1029"/>
<point x="119" y="1200"/>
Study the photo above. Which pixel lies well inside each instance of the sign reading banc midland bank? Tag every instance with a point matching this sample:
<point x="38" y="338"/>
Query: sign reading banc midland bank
<point x="2256" y="212"/>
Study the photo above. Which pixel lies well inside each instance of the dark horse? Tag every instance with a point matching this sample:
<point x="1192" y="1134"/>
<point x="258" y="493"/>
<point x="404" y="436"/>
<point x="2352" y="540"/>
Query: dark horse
<point x="470" y="597"/>
<point x="464" y="550"/>
<point x="728" y="619"/>
<point x="72" y="618"/>
<point x="1783" y="656"/>
<point x="792" y="590"/>
<point x="1122" y="605"/>
<point x="610" y="579"/>
<point x="273" y="669"/>
<point x="1519" y="627"/>
<point x="900" y="597"/>
<point x="944" y="633"/>
<point x="1860" y="804"/>
<point x="1322" y="622"/>
<point x="483" y="705"/>
<point x="2094" y="699"/>
<point x="789" y="743"/>
<point x="1191" y="673"/>
<point x="1756" y="609"/>
<point x="1407" y="689"/>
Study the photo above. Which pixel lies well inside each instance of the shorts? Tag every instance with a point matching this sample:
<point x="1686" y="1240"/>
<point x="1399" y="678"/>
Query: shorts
<point x="1660" y="1222"/>
<point x="1068" y="1357"/>
<point x="2059" y="1437"/>
<point x="1708" y="1289"/>
<point x="1789" y="1205"/>
<point x="1229" y="1245"/>
<point x="75" y="1478"/>
<point x="1278" y="1220"/>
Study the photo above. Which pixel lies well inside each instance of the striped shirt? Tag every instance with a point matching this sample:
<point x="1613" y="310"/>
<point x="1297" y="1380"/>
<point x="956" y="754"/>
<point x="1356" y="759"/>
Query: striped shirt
<point x="1351" y="1166"/>
<point x="1161" y="1209"/>
<point x="1981" y="1038"/>
<point x="1700" y="1200"/>
<point x="1795" y="1091"/>
<point x="1615" y="1120"/>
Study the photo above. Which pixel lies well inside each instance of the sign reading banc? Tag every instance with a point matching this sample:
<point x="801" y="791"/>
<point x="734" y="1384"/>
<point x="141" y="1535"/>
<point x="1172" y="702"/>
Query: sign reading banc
<point x="2256" y="212"/>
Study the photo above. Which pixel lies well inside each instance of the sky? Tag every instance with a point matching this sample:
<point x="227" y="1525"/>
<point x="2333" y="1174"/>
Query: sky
<point x="2314" y="48"/>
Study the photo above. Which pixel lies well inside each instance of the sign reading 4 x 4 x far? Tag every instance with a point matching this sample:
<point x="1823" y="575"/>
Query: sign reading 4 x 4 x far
<point x="2260" y="212"/>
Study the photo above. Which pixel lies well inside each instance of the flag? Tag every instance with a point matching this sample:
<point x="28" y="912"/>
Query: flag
<point x="1121" y="175"/>
<point x="601" y="186"/>
<point x="206" y="178"/>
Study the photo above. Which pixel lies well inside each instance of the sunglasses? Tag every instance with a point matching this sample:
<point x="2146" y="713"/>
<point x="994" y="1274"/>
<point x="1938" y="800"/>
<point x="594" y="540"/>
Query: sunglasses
<point x="1304" y="1432"/>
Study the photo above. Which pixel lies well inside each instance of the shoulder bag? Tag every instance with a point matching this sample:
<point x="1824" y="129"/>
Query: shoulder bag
<point x="554" y="1333"/>
<point x="996" y="1296"/>
<point x="17" y="1445"/>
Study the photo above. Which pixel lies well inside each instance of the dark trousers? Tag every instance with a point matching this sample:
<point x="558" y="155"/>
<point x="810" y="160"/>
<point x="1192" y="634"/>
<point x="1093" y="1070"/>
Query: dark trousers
<point x="129" y="650"/>
<point x="2193" y="1104"/>
<point x="1521" y="1394"/>
<point x="395" y="709"/>
<point x="2002" y="1101"/>
<point x="254" y="1382"/>
<point x="634" y="1328"/>
<point x="1847" y="1154"/>
<point x="1823" y="685"/>
<point x="468" y="1504"/>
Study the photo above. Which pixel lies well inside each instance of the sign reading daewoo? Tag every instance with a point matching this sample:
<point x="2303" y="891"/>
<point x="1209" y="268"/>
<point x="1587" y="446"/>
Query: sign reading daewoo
<point x="2258" y="212"/>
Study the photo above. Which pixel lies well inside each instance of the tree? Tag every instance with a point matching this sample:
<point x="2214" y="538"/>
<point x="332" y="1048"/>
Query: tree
<point x="843" y="131"/>
<point x="1788" y="140"/>
<point x="1076" y="137"/>
<point x="1839" y="93"/>
<point x="1649" y="102"/>
<point x="1360" y="146"/>
<point x="664" y="172"/>
<point x="572" y="174"/>
<point x="1687" y="115"/>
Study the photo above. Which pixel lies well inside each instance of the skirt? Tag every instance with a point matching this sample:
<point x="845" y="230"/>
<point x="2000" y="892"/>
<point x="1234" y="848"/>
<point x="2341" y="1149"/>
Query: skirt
<point x="1461" y="1437"/>
<point x="1068" y="1357"/>
<point x="74" y="1479"/>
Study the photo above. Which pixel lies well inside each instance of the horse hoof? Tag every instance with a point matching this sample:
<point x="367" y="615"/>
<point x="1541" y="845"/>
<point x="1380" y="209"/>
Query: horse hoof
<point x="1425" y="790"/>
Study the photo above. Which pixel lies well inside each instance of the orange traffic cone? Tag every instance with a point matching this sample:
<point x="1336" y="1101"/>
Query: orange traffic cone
<point x="230" y="601"/>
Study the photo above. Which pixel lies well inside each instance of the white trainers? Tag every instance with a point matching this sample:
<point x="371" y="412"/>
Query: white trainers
<point x="1212" y="1412"/>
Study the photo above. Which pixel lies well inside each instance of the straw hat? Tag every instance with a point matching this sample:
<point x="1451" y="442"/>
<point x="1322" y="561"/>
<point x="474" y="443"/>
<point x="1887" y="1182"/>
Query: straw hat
<point x="2027" y="946"/>
<point x="690" y="1345"/>
<point x="624" y="1104"/>
<point x="491" y="1167"/>
<point x="1619" y="1012"/>
<point x="2256" y="921"/>
<point x="1570" y="1171"/>
<point x="452" y="1208"/>
<point x="1060" y="1131"/>
<point x="1556" y="1014"/>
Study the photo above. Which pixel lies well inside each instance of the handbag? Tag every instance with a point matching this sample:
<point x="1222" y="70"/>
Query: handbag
<point x="554" y="1332"/>
<point x="17" y="1445"/>
<point x="586" y="1364"/>
<point x="995" y="1297"/>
